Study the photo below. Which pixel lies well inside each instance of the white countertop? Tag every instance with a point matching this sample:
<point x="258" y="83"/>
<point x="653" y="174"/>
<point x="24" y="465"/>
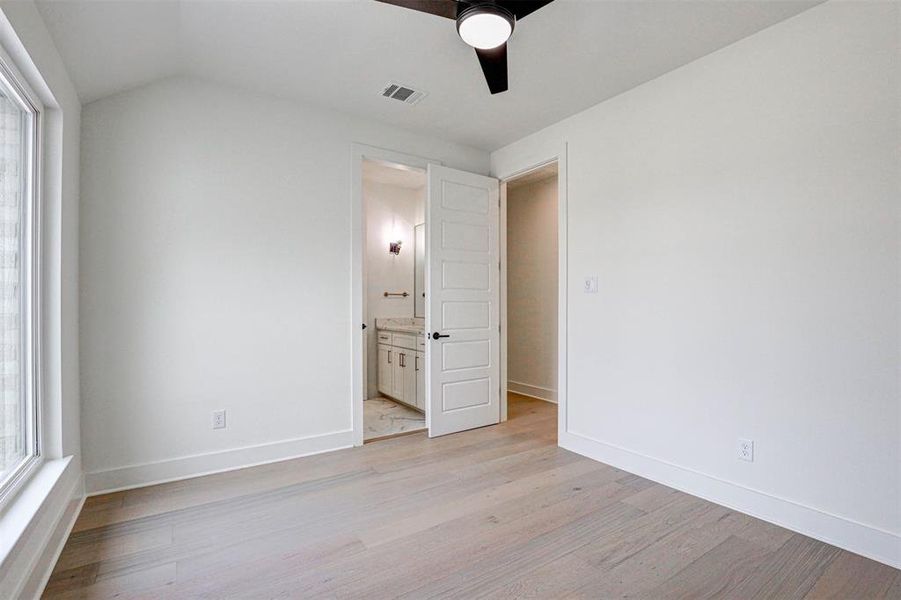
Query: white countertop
<point x="412" y="326"/>
<point x="412" y="329"/>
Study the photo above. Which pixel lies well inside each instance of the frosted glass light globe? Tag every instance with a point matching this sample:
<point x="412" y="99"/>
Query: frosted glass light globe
<point x="484" y="30"/>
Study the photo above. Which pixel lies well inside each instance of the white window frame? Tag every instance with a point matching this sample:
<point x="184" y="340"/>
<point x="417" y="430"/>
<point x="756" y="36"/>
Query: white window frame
<point x="30" y="247"/>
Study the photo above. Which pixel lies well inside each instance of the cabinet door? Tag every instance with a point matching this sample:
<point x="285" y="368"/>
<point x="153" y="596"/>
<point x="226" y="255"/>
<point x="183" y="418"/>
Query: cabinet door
<point x="419" y="367"/>
<point x="386" y="369"/>
<point x="410" y="379"/>
<point x="399" y="359"/>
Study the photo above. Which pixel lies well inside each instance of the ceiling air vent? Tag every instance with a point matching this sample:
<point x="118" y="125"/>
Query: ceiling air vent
<point x="404" y="93"/>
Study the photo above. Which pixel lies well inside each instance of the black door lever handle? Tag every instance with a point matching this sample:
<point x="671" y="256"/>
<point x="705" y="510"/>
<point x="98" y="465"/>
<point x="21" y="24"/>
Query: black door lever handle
<point x="437" y="335"/>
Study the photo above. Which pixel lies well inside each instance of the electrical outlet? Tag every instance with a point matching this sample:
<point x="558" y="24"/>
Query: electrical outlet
<point x="218" y="419"/>
<point x="746" y="450"/>
<point x="591" y="284"/>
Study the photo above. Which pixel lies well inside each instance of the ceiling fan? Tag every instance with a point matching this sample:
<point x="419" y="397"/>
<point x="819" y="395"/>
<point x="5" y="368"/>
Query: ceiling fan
<point x="486" y="25"/>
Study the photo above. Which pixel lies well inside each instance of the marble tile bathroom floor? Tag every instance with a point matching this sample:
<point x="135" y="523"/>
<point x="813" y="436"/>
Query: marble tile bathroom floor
<point x="383" y="417"/>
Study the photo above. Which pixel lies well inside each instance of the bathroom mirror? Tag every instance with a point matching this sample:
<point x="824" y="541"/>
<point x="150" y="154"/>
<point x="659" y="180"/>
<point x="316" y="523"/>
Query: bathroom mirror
<point x="419" y="270"/>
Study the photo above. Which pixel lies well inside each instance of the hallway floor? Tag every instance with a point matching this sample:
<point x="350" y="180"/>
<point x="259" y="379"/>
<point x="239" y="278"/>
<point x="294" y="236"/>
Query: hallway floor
<point x="495" y="512"/>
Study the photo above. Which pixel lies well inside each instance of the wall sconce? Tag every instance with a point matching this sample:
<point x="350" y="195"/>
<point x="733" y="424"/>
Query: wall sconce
<point x="394" y="247"/>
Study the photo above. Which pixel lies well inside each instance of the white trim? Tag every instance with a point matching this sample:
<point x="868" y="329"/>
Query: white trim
<point x="524" y="164"/>
<point x="360" y="152"/>
<point x="532" y="391"/>
<point x="56" y="290"/>
<point x="502" y="237"/>
<point x="208" y="463"/>
<point x="31" y="252"/>
<point x="562" y="288"/>
<point x="29" y="524"/>
<point x="868" y="541"/>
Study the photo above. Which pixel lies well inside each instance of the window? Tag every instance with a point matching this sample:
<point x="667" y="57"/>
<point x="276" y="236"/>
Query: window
<point x="19" y="423"/>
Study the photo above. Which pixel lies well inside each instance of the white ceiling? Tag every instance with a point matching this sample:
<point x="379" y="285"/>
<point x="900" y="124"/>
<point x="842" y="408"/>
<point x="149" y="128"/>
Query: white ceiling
<point x="339" y="54"/>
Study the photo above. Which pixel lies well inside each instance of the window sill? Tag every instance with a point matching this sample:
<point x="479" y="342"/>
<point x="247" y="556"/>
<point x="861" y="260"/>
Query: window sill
<point x="19" y="480"/>
<point x="22" y="510"/>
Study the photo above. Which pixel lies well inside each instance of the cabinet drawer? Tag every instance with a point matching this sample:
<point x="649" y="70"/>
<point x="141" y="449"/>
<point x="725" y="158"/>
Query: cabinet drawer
<point x="384" y="337"/>
<point x="405" y="341"/>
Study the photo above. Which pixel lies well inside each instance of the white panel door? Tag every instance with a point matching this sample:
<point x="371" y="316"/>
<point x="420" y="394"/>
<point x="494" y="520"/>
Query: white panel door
<point x="462" y="300"/>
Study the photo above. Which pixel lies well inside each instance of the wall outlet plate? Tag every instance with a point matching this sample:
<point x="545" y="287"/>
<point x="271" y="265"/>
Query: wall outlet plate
<point x="218" y="419"/>
<point x="746" y="450"/>
<point x="591" y="284"/>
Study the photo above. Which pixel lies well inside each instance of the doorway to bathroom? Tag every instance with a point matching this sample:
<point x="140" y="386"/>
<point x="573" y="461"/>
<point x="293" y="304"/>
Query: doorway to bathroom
<point x="393" y="203"/>
<point x="446" y="363"/>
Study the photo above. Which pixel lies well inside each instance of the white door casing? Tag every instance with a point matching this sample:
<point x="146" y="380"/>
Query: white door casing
<point x="462" y="301"/>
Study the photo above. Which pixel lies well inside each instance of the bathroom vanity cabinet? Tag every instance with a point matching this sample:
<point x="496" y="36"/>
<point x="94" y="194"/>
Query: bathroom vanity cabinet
<point x="401" y="367"/>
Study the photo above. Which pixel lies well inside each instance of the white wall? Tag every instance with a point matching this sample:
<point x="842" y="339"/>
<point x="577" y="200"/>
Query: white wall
<point x="742" y="213"/>
<point x="216" y="241"/>
<point x="532" y="288"/>
<point x="391" y="212"/>
<point x="33" y="525"/>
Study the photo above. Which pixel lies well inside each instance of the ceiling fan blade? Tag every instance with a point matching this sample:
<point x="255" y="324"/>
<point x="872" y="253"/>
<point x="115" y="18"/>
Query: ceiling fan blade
<point x="440" y="8"/>
<point x="494" y="66"/>
<point x="522" y="8"/>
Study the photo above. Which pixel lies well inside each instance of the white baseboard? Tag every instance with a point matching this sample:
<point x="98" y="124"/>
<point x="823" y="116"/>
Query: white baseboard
<point x="868" y="541"/>
<point x="186" y="467"/>
<point x="532" y="391"/>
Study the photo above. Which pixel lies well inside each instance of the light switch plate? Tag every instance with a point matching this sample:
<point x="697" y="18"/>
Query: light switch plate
<point x="591" y="284"/>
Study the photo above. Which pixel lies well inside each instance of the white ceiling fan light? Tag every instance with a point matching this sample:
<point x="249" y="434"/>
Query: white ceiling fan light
<point x="485" y="26"/>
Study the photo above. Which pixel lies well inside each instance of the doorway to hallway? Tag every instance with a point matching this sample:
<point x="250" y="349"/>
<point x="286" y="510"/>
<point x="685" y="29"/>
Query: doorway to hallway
<point x="531" y="282"/>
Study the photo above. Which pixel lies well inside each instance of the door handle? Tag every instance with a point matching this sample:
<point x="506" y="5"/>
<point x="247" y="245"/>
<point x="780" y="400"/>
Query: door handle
<point x="416" y="362"/>
<point x="389" y="357"/>
<point x="402" y="356"/>
<point x="437" y="335"/>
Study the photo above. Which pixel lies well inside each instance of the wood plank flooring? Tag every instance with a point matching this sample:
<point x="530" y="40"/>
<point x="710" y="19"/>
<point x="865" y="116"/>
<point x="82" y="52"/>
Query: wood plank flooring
<point x="498" y="512"/>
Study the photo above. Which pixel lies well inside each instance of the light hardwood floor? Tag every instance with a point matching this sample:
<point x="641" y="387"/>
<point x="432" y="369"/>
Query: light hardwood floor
<point x="496" y="512"/>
